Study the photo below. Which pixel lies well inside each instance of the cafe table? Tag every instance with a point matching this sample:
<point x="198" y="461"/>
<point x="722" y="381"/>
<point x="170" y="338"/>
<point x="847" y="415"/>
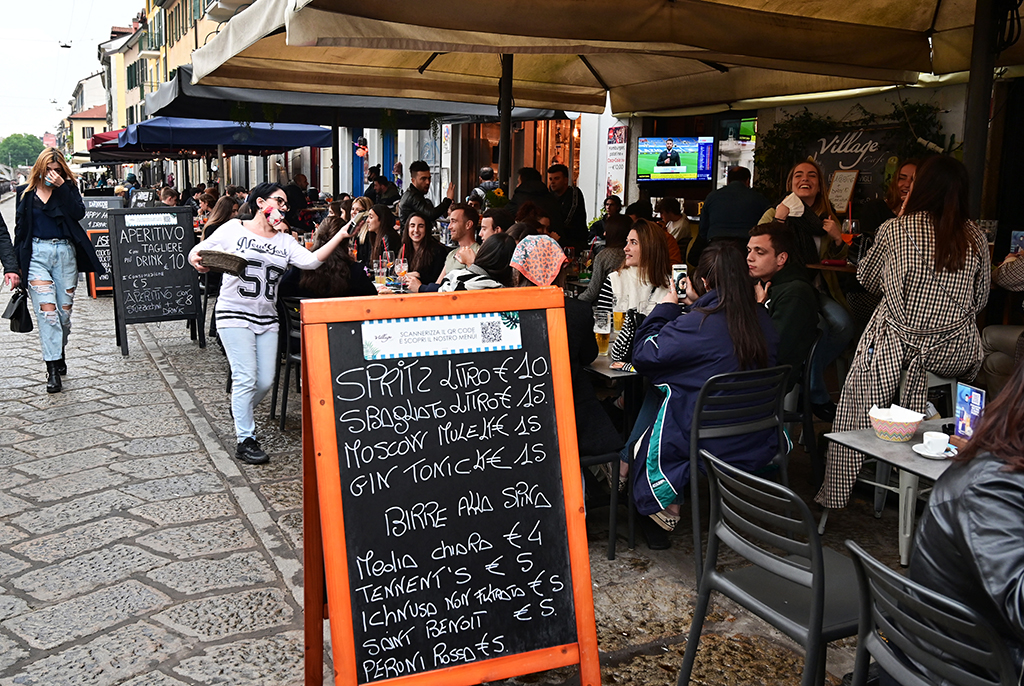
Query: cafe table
<point x="577" y="286"/>
<point x="912" y="467"/>
<point x="843" y="268"/>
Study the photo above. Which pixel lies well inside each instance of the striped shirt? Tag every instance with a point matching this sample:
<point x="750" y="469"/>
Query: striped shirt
<point x="250" y="300"/>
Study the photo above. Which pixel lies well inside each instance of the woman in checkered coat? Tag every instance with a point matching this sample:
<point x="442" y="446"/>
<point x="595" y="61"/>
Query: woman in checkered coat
<point x="931" y="267"/>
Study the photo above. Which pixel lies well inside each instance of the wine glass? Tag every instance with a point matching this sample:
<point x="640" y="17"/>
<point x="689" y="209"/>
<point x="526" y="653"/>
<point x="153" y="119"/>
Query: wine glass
<point x="401" y="270"/>
<point x="851" y="228"/>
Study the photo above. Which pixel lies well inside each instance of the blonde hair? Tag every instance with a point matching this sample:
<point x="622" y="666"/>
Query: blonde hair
<point x="367" y="205"/>
<point x="48" y="155"/>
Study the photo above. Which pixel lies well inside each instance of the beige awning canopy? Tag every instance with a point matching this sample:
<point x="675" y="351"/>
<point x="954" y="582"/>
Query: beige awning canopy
<point x="648" y="55"/>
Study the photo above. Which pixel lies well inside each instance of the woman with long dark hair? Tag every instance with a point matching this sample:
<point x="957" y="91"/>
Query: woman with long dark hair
<point x="52" y="248"/>
<point x="338" y="277"/>
<point x="725" y="331"/>
<point x="381" y="221"/>
<point x="226" y="208"/>
<point x="644" y="278"/>
<point x="246" y="311"/>
<point x="932" y="269"/>
<point x="424" y="254"/>
<point x="967" y="546"/>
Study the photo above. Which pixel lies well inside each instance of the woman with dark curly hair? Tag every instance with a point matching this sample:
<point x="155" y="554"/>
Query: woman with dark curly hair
<point x="339" y="276"/>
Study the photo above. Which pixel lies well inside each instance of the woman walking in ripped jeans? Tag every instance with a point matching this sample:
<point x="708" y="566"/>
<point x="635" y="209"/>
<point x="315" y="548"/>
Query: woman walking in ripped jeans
<point x="52" y="248"/>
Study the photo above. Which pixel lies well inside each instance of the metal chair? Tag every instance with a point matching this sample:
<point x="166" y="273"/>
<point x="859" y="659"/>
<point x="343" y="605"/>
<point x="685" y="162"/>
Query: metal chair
<point x="805" y="416"/>
<point x="733" y="405"/>
<point x="948" y="639"/>
<point x="289" y="352"/>
<point x="793" y="584"/>
<point x="613" y="504"/>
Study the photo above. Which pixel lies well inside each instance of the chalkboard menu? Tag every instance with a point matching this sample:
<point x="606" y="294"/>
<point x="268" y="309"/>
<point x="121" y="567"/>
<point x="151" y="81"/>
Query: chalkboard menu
<point x="145" y="197"/>
<point x="456" y="490"/>
<point x="153" y="281"/>
<point x="95" y="224"/>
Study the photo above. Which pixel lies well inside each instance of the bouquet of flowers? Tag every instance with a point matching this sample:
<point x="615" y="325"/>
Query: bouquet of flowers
<point x="496" y="198"/>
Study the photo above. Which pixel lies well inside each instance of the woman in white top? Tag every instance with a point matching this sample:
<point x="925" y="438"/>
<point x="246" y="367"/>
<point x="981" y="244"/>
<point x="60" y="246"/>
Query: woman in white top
<point x="644" y="278"/>
<point x="246" y="310"/>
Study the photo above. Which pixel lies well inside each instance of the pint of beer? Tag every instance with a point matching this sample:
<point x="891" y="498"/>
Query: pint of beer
<point x="602" y="330"/>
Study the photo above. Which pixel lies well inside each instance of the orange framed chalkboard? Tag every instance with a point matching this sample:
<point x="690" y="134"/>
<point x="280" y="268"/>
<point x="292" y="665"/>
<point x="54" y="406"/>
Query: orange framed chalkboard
<point x="443" y="508"/>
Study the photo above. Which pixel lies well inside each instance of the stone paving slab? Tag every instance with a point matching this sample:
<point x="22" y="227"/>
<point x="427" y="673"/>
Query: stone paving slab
<point x="242" y="570"/>
<point x="88" y="571"/>
<point x="45" y="520"/>
<point x="84" y="615"/>
<point x="272" y="660"/>
<point x="217" y="617"/>
<point x="79" y="539"/>
<point x="200" y="539"/>
<point x="60" y="487"/>
<point x="78" y="461"/>
<point x="105" y="661"/>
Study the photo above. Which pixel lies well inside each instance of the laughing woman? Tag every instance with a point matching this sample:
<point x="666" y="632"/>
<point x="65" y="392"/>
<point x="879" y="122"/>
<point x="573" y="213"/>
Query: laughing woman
<point x="52" y="248"/>
<point x="246" y="310"/>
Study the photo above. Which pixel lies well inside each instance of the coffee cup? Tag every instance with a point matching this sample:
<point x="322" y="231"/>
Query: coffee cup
<point x="935" y="442"/>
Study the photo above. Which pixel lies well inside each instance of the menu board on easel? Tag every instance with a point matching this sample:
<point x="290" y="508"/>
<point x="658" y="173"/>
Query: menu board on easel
<point x="153" y="281"/>
<point x="840" y="191"/>
<point x="448" y="480"/>
<point x="95" y="223"/>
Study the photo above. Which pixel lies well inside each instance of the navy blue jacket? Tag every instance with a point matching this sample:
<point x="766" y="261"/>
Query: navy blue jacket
<point x="679" y="353"/>
<point x="731" y="211"/>
<point x="67" y="209"/>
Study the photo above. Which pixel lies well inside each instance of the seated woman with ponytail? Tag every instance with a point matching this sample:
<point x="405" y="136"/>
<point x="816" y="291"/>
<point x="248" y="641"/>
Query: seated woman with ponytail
<point x="725" y="331"/>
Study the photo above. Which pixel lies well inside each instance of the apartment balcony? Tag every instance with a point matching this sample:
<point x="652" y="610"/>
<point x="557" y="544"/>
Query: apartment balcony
<point x="149" y="46"/>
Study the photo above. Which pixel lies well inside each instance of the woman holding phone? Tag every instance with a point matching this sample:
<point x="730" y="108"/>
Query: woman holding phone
<point x="52" y="248"/>
<point x="246" y="311"/>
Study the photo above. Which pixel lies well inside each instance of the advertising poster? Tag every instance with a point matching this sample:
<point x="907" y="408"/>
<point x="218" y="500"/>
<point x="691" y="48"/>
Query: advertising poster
<point x="616" y="164"/>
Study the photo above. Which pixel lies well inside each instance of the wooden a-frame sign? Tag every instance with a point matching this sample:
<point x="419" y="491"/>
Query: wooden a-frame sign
<point x="523" y="601"/>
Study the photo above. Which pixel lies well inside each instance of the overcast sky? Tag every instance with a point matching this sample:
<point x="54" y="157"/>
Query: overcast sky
<point x="37" y="70"/>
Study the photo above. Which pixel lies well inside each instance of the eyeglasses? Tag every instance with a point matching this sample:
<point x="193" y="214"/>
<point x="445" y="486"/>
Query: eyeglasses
<point x="281" y="202"/>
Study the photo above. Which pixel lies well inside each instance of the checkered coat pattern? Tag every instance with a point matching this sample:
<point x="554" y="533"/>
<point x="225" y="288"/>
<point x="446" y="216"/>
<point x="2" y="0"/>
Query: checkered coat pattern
<point x="925" y="322"/>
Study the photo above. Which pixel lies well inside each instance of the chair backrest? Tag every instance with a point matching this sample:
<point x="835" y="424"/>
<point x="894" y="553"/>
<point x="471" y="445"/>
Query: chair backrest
<point x="739" y="403"/>
<point x="765" y="523"/>
<point x="943" y="636"/>
<point x="290" y="321"/>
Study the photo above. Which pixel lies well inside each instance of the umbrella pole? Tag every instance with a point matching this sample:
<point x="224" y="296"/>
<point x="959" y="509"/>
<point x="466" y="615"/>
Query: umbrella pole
<point x="505" y="107"/>
<point x="220" y="170"/>
<point x="335" y="159"/>
<point x="979" y="97"/>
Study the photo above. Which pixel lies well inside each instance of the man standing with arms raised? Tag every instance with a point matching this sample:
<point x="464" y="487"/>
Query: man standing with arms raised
<point x="415" y="197"/>
<point x="573" y="210"/>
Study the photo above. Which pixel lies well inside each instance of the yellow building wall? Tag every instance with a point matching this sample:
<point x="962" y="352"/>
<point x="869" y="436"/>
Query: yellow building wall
<point x="80" y="139"/>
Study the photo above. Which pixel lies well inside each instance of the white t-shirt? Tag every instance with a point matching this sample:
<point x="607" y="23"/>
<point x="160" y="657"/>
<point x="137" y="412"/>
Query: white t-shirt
<point x="250" y="300"/>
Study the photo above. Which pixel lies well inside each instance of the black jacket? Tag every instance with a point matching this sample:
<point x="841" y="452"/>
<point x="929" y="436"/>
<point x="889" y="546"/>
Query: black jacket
<point x="537" y="193"/>
<point x="968" y="544"/>
<point x="67" y="209"/>
<point x="7" y="255"/>
<point x="595" y="433"/>
<point x="793" y="306"/>
<point x="414" y="201"/>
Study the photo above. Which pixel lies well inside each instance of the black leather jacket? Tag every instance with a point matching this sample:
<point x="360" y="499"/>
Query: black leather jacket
<point x="970" y="544"/>
<point x="7" y="256"/>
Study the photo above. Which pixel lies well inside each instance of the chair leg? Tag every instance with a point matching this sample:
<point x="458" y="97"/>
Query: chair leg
<point x="693" y="640"/>
<point x="882" y="473"/>
<point x="273" y="391"/>
<point x="814" y="666"/>
<point x="613" y="511"/>
<point x="630" y="507"/>
<point x="698" y="561"/>
<point x="284" y="393"/>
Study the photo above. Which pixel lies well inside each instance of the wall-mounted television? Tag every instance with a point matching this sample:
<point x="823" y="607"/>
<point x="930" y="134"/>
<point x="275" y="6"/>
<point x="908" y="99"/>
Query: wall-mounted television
<point x="675" y="159"/>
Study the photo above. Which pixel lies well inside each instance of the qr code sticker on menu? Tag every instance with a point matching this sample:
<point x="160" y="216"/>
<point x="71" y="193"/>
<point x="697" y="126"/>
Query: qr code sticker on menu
<point x="490" y="332"/>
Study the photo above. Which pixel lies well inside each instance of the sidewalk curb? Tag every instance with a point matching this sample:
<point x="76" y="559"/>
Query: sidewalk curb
<point x="266" y="528"/>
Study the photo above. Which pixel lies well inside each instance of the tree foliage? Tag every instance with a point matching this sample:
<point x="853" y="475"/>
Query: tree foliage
<point x="787" y="142"/>
<point x="22" y="149"/>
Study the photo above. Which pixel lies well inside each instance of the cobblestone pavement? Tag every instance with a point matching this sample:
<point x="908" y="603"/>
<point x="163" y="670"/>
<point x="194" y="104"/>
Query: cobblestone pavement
<point x="135" y="550"/>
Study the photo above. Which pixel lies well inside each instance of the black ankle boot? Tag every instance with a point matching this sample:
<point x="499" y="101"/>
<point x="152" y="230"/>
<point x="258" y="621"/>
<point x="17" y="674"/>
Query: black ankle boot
<point x="53" y="384"/>
<point x="62" y="365"/>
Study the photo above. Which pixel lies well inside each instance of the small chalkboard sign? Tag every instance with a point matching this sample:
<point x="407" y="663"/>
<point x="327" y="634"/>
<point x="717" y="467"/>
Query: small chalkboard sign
<point x="95" y="223"/>
<point x="447" y="482"/>
<point x="840" y="191"/>
<point x="145" y="197"/>
<point x="152" y="279"/>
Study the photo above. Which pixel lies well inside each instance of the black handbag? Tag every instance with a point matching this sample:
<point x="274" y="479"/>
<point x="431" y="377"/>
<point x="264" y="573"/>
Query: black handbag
<point x="17" y="311"/>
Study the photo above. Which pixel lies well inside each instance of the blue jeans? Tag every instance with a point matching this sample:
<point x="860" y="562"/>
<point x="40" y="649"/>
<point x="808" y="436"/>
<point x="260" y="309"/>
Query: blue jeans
<point x="252" y="357"/>
<point x="52" y="280"/>
<point x="644" y="419"/>
<point x="837" y="331"/>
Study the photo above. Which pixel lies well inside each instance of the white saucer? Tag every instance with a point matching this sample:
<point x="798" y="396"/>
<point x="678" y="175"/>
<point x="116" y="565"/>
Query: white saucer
<point x="920" y="450"/>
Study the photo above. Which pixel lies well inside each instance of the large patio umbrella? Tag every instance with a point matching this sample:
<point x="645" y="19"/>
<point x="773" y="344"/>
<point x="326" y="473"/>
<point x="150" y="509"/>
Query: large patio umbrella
<point x="645" y="55"/>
